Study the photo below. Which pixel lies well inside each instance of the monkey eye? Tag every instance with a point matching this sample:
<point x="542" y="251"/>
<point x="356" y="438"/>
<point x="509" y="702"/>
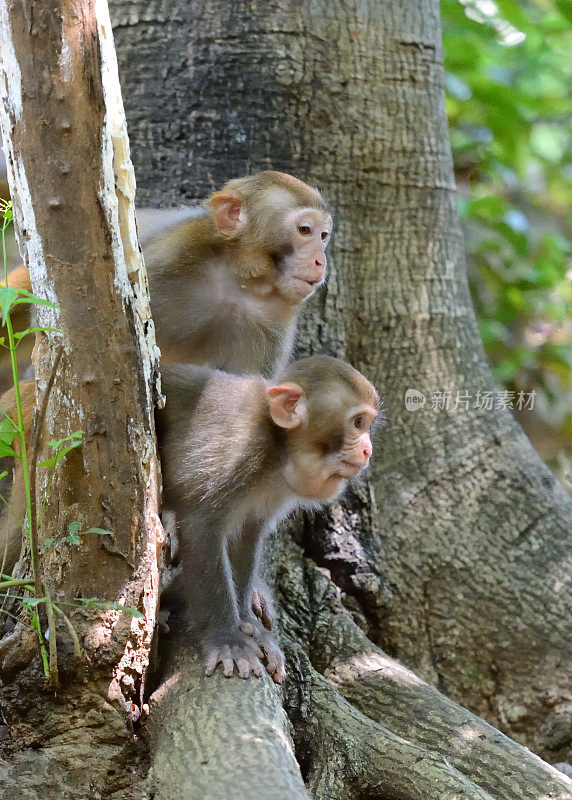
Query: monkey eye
<point x="358" y="422"/>
<point x="305" y="230"/>
<point x="325" y="235"/>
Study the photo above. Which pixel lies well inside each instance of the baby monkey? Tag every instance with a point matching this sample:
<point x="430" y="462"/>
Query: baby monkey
<point x="238" y="454"/>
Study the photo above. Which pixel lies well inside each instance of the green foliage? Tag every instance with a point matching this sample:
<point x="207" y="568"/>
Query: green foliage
<point x="508" y="78"/>
<point x="62" y="447"/>
<point x="73" y="536"/>
<point x="97" y="602"/>
<point x="9" y="431"/>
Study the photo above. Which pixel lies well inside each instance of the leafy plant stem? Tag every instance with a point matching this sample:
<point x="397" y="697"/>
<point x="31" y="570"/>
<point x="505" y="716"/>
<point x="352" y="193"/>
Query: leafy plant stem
<point x="24" y="457"/>
<point x="4" y="259"/>
<point x="52" y="642"/>
<point x="13" y="582"/>
<point x="35" y="623"/>
<point x="72" y="632"/>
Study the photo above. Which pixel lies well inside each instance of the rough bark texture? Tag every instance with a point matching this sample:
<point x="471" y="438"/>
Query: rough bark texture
<point x="69" y="167"/>
<point x="452" y="558"/>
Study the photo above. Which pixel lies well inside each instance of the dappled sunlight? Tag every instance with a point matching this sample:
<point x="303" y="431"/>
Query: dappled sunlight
<point x="166" y="687"/>
<point x="269" y="736"/>
<point x="363" y="665"/>
<point x="488" y="11"/>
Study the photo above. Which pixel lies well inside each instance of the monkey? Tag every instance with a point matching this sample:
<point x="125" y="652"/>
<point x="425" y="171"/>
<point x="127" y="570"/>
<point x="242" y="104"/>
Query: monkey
<point x="227" y="278"/>
<point x="238" y="454"/>
<point x="4" y="191"/>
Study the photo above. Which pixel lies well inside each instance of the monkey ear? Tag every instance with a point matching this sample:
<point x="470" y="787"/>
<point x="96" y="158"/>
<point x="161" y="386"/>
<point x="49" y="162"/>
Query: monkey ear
<point x="287" y="405"/>
<point x="229" y="213"/>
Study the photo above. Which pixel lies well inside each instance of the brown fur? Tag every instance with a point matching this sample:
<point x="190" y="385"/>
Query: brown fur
<point x="211" y="296"/>
<point x="225" y="467"/>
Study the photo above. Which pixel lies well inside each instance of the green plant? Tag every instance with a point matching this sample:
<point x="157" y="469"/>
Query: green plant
<point x="10" y="430"/>
<point x="508" y="75"/>
<point x="14" y="431"/>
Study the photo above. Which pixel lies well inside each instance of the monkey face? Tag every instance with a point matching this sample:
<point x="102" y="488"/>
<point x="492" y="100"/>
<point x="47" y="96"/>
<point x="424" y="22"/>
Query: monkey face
<point x="276" y="230"/>
<point x="328" y="438"/>
<point x="302" y="268"/>
<point x="320" y="469"/>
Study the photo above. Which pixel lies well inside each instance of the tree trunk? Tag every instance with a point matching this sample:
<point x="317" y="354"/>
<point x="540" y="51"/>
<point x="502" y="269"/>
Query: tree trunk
<point x="451" y="556"/>
<point x="70" y="171"/>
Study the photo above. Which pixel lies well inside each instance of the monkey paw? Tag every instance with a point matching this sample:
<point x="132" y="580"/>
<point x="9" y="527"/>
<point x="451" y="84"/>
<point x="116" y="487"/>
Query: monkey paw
<point x="261" y="608"/>
<point x="275" y="664"/>
<point x="235" y="650"/>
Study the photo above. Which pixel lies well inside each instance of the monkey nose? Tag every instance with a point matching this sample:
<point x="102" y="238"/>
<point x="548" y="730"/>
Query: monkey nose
<point x="366" y="451"/>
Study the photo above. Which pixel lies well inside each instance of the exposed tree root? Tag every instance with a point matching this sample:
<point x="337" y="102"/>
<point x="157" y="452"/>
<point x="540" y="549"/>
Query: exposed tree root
<point x="348" y="756"/>
<point x="393" y="697"/>
<point x="217" y="737"/>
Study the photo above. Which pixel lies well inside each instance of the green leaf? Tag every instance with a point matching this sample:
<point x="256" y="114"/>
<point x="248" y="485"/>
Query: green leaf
<point x="21" y="334"/>
<point x="8" y="296"/>
<point x="3" y="474"/>
<point x="565" y="8"/>
<point x="32" y="602"/>
<point x="6" y="450"/>
<point x="46" y="546"/>
<point x="74" y="527"/>
<point x="7" y="212"/>
<point x="27" y="297"/>
<point x="64" y="451"/>
<point x="96" y="602"/>
<point x="73" y="538"/>
<point x="99" y="531"/>
<point x="76" y="435"/>
<point x="8" y="431"/>
<point x="51" y="462"/>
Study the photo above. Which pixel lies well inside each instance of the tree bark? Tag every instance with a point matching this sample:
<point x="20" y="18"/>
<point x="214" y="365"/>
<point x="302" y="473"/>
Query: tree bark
<point x="451" y="556"/>
<point x="70" y="173"/>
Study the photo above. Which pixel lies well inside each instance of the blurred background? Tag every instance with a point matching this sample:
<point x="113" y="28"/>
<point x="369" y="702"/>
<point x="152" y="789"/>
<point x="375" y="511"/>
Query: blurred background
<point x="509" y="73"/>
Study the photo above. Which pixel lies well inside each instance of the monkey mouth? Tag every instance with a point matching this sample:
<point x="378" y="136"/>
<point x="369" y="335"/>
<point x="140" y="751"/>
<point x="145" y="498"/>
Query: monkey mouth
<point x="304" y="286"/>
<point x="350" y="469"/>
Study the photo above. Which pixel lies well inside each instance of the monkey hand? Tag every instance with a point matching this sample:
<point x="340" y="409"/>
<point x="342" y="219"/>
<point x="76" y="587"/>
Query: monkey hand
<point x="261" y="608"/>
<point x="231" y="649"/>
<point x="275" y="664"/>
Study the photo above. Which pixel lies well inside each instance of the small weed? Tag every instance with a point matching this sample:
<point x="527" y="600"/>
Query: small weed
<point x="14" y="432"/>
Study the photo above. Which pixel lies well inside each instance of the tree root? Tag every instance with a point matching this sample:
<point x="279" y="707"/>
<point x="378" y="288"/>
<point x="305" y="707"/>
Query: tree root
<point x="388" y="694"/>
<point x="219" y="737"/>
<point x="348" y="756"/>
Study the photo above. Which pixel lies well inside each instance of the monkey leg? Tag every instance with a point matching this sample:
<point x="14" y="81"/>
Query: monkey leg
<point x="275" y="661"/>
<point x="244" y="555"/>
<point x="211" y="602"/>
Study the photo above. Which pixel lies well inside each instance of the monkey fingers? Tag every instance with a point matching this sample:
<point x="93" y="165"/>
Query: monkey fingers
<point x="275" y="664"/>
<point x="245" y="656"/>
<point x="260" y="608"/>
